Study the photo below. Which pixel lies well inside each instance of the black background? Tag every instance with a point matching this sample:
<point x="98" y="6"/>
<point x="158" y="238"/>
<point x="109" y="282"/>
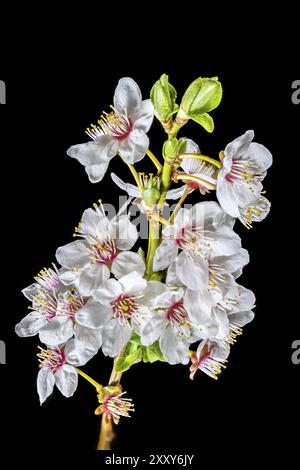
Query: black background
<point x="54" y="90"/>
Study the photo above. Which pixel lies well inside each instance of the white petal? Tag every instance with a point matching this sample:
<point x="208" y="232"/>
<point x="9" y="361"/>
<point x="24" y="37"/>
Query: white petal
<point x="143" y="116"/>
<point x="96" y="172"/>
<point x="115" y="336"/>
<point x="133" y="284"/>
<point x="183" y="218"/>
<point x="193" y="272"/>
<point x="226" y="242"/>
<point x="69" y="276"/>
<point x="241" y="318"/>
<point x="125" y="233"/>
<point x="153" y="290"/>
<point x="227" y="198"/>
<point x="191" y="146"/>
<point x="133" y="149"/>
<point x="30" y="325"/>
<point x="73" y="255"/>
<point x="45" y="383"/>
<point x="233" y="263"/>
<point x="168" y="298"/>
<point x="110" y="290"/>
<point x="88" y="336"/>
<point x="198" y="304"/>
<point x="30" y="291"/>
<point x="77" y="353"/>
<point x="260" y="155"/>
<point x="172" y="279"/>
<point x="91" y="278"/>
<point x="154" y="328"/>
<point x="66" y="380"/>
<point x="239" y="147"/>
<point x="129" y="188"/>
<point x="94" y="314"/>
<point x="175" y="193"/>
<point x="126" y="262"/>
<point x="57" y="331"/>
<point x="246" y="299"/>
<point x="93" y="153"/>
<point x="165" y="254"/>
<point x="127" y="96"/>
<point x="174" y="347"/>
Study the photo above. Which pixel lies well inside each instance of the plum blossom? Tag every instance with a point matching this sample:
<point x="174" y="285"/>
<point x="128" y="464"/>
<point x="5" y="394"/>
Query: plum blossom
<point x="122" y="309"/>
<point x="122" y="131"/>
<point x="239" y="184"/>
<point x="103" y="248"/>
<point x="197" y="234"/>
<point x="210" y="358"/>
<point x="58" y="367"/>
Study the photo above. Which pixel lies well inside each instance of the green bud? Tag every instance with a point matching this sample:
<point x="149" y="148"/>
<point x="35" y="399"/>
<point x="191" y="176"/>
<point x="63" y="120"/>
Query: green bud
<point x="151" y="196"/>
<point x="170" y="149"/>
<point x="163" y="96"/>
<point x="202" y="96"/>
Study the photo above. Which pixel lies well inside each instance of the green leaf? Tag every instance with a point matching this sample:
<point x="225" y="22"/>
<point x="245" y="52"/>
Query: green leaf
<point x="205" y="120"/>
<point x="125" y="362"/>
<point x="203" y="95"/>
<point x="153" y="353"/>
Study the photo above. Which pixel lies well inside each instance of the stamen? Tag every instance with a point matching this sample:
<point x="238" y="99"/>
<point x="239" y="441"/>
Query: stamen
<point x="53" y="359"/>
<point x="116" y="125"/>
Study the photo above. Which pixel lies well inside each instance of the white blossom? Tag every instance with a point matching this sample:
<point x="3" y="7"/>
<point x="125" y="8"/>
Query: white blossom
<point x="122" y="131"/>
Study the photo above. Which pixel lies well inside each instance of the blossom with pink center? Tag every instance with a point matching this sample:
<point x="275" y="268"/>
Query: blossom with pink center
<point x="58" y="367"/>
<point x="122" y="308"/>
<point x="196" y="235"/>
<point x="121" y="131"/>
<point x="239" y="182"/>
<point x="171" y="324"/>
<point x="103" y="248"/>
<point x="53" y="314"/>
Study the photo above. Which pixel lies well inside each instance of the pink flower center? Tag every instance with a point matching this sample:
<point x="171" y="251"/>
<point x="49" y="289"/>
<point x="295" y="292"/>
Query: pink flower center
<point x="124" y="307"/>
<point x="176" y="314"/>
<point x="53" y="359"/>
<point x="241" y="170"/>
<point x="46" y="304"/>
<point x="73" y="303"/>
<point x="116" y="125"/>
<point x="104" y="252"/>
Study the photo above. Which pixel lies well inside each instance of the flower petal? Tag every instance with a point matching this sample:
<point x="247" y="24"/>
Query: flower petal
<point x="133" y="149"/>
<point x="241" y="318"/>
<point x="91" y="278"/>
<point x="260" y="155"/>
<point x="88" y="336"/>
<point x="154" y="328"/>
<point x="126" y="262"/>
<point x="176" y="193"/>
<point x="57" y="331"/>
<point x="66" y="380"/>
<point x="96" y="172"/>
<point x="77" y="353"/>
<point x="94" y="314"/>
<point x="30" y="325"/>
<point x="115" y="336"/>
<point x="125" y="233"/>
<point x="129" y="188"/>
<point x="133" y="284"/>
<point x="174" y="347"/>
<point x="227" y="198"/>
<point x="193" y="272"/>
<point x="108" y="291"/>
<point x="73" y="255"/>
<point x="143" y="116"/>
<point x="45" y="383"/>
<point x="239" y="147"/>
<point x="153" y="290"/>
<point x="127" y="96"/>
<point x="95" y="152"/>
<point x="165" y="254"/>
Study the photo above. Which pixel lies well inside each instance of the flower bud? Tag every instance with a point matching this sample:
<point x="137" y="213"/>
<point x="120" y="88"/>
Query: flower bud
<point x="170" y="149"/>
<point x="151" y="193"/>
<point x="203" y="95"/>
<point x="163" y="96"/>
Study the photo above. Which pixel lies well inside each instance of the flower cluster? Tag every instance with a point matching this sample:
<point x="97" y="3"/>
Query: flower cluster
<point x="182" y="303"/>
